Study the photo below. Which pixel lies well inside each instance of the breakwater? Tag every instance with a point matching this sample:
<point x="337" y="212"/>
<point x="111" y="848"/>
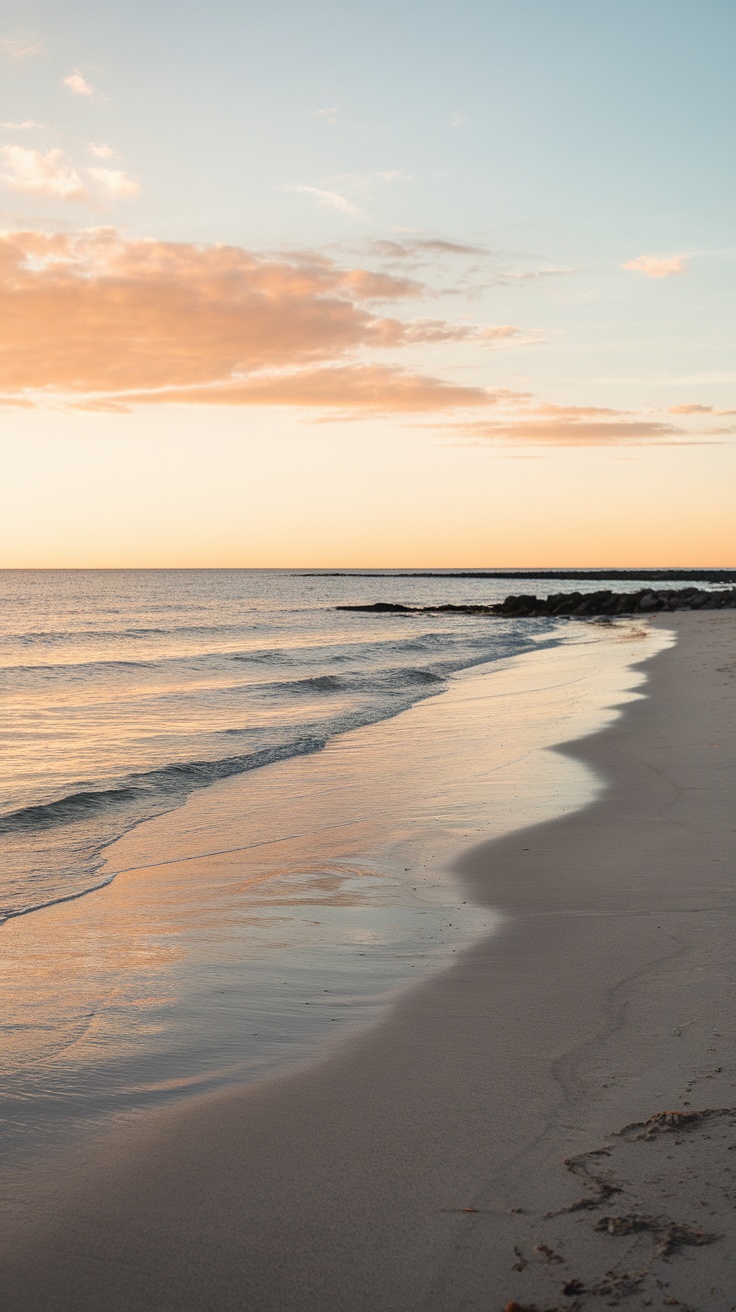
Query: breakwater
<point x="646" y="601"/>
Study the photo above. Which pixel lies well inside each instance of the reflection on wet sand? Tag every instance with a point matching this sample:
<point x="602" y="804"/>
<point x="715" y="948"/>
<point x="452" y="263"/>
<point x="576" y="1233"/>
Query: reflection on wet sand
<point x="276" y="909"/>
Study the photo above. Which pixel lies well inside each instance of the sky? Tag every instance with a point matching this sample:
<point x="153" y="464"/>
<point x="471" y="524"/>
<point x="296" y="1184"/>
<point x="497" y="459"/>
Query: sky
<point x="361" y="284"/>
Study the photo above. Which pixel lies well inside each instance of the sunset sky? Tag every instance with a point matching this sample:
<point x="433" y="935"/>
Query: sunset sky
<point x="368" y="284"/>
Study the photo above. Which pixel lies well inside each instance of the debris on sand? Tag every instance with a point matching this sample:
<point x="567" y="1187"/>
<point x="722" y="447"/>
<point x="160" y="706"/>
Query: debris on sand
<point x="666" y="1122"/>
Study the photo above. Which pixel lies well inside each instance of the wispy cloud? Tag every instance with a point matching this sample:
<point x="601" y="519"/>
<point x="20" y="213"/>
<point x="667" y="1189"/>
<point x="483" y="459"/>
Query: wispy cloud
<point x="531" y="423"/>
<point x="658" y="266"/>
<point x="367" y="182"/>
<point x="114" y="182"/>
<point x="409" y="248"/>
<point x="331" y="200"/>
<point x="428" y="331"/>
<point x="509" y="276"/>
<point x="101" y="152"/>
<point x="483" y="267"/>
<point x="338" y="392"/>
<point x="368" y="285"/>
<point x="41" y="174"/>
<point x="330" y="115"/>
<point x="77" y="84"/>
<point x="563" y="433"/>
<point x="23" y="45"/>
<point x="690" y="410"/>
<point x="457" y="119"/>
<point x="25" y="126"/>
<point x="694" y="409"/>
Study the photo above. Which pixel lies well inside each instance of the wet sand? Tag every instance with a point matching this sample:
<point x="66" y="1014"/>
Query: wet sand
<point x="422" y="1165"/>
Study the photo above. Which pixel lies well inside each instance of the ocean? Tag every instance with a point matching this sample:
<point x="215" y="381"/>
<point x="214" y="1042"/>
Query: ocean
<point x="228" y="811"/>
<point x="123" y="691"/>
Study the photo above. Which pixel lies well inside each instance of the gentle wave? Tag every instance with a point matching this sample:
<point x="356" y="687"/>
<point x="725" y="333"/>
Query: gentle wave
<point x="381" y="681"/>
<point x="269" y="655"/>
<point x="55" y="901"/>
<point x="174" y="781"/>
<point x="64" y="810"/>
<point x="317" y="683"/>
<point x="393" y="689"/>
<point x="103" y="666"/>
<point x="199" y="774"/>
<point x="62" y="668"/>
<point x="71" y="636"/>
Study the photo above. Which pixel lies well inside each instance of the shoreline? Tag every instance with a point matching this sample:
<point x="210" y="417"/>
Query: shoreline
<point x="251" y="930"/>
<point x="405" y="1170"/>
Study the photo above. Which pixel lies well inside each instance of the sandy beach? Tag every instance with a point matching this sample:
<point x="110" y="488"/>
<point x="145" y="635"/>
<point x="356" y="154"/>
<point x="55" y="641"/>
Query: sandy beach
<point x="500" y="1138"/>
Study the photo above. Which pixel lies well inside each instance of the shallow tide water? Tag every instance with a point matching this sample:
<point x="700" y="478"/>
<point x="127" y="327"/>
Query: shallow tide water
<point x="122" y="692"/>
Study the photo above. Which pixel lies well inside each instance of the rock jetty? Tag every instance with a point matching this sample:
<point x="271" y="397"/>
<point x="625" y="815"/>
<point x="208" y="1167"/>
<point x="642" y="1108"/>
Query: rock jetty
<point x="647" y="601"/>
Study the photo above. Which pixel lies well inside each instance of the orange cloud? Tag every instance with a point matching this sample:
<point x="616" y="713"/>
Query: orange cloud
<point x="439" y="330"/>
<point x="658" y="266"/>
<point x="91" y="314"/>
<point x="575" y="414"/>
<point x="694" y="409"/>
<point x="96" y="321"/>
<point x="532" y="424"/>
<point x="345" y="390"/>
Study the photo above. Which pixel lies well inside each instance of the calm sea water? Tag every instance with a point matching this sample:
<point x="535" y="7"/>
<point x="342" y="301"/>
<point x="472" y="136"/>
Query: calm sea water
<point x="261" y="911"/>
<point x="121" y="692"/>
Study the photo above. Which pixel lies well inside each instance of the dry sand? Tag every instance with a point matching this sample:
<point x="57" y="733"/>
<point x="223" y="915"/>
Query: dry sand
<point x="492" y="1141"/>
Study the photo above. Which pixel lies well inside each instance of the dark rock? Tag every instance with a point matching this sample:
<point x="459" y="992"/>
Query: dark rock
<point x="380" y="607"/>
<point x="560" y="604"/>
